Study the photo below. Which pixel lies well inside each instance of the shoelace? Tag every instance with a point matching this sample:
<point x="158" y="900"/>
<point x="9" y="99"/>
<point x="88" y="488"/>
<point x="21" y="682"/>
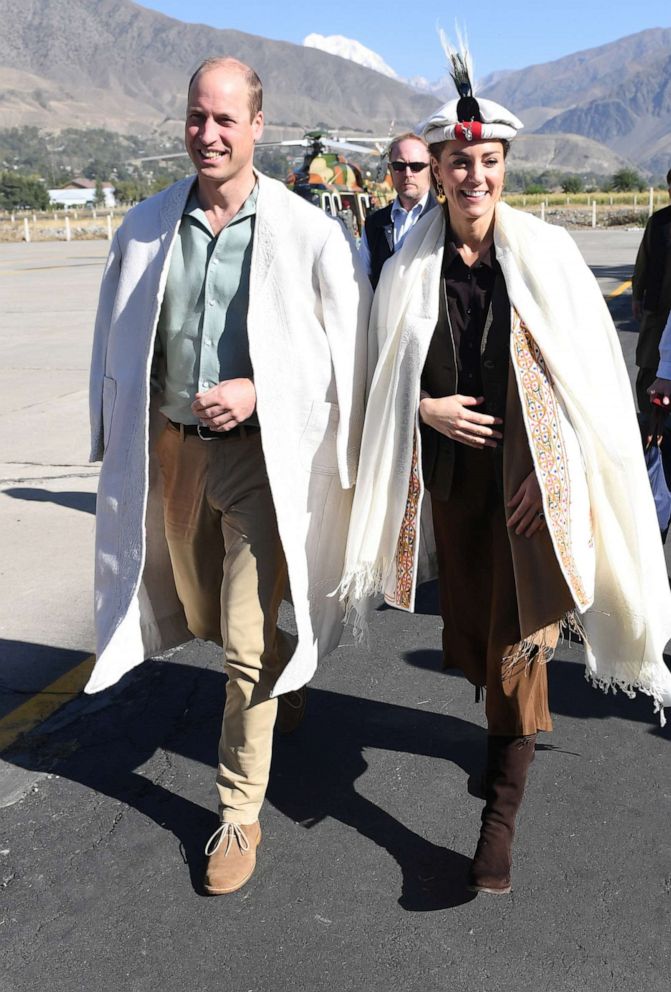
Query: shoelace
<point x="227" y="831"/>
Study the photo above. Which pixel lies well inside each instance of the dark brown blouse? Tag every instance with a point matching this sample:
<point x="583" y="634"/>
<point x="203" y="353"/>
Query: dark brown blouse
<point x="468" y="292"/>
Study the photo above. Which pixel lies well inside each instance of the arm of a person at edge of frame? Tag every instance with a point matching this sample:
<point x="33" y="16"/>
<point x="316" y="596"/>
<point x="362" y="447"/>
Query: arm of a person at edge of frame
<point x="638" y="278"/>
<point x="662" y="385"/>
<point x="364" y="252"/>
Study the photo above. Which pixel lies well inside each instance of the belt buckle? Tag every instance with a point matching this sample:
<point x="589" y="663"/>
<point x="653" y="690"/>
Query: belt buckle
<point x="204" y="437"/>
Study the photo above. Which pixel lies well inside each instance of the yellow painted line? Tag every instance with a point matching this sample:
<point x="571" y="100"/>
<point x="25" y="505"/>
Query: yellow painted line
<point x="35" y="710"/>
<point x="622" y="288"/>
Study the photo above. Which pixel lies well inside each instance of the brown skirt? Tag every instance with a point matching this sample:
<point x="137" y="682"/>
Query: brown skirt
<point x="479" y="599"/>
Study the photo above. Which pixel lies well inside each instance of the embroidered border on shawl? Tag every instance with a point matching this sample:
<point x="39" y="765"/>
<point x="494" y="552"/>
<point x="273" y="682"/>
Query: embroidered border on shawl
<point x="545" y="436"/>
<point x="407" y="538"/>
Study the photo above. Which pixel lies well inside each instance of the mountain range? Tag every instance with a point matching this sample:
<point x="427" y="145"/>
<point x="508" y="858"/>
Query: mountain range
<point x="116" y="64"/>
<point x="617" y="94"/>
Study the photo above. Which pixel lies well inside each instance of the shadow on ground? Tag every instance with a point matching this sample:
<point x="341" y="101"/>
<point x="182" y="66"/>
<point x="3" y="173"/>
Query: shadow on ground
<point x="570" y="693"/>
<point x="86" y="502"/>
<point x="178" y="708"/>
<point x="27" y="668"/>
<point x="172" y="707"/>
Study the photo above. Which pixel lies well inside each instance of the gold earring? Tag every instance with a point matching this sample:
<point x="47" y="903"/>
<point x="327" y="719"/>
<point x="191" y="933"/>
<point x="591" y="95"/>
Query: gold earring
<point x="440" y="192"/>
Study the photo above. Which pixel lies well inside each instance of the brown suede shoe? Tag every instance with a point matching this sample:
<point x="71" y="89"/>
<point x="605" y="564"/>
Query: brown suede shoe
<point x="291" y="710"/>
<point x="232" y="857"/>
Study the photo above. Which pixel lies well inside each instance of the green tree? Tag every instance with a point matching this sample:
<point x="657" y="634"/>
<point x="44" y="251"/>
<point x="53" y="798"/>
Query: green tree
<point x="573" y="184"/>
<point x="130" y="190"/>
<point x="99" y="196"/>
<point x="626" y="180"/>
<point x="18" y="192"/>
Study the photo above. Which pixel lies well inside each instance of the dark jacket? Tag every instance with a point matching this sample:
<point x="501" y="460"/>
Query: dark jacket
<point x="380" y="237"/>
<point x="440" y="378"/>
<point x="651" y="284"/>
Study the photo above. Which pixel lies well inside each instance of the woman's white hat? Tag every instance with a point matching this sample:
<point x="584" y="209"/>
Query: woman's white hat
<point x="465" y="118"/>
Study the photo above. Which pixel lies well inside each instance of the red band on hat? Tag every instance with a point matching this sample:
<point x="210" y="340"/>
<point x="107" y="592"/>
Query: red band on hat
<point x="468" y="131"/>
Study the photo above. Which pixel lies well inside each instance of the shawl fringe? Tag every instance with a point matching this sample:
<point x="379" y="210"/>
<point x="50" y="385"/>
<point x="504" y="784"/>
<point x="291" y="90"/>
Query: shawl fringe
<point x="610" y="683"/>
<point x="541" y="645"/>
<point x="357" y="589"/>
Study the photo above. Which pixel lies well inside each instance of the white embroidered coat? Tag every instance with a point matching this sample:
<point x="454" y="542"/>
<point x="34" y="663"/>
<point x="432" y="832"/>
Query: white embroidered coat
<point x="307" y="321"/>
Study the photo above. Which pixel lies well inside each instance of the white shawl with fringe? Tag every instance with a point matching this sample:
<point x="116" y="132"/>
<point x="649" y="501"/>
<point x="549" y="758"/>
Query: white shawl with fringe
<point x="583" y="435"/>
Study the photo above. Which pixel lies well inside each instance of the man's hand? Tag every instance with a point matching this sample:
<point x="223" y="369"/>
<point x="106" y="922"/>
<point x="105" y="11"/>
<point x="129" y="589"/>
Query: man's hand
<point x="661" y="388"/>
<point x="527" y="506"/>
<point x="225" y="405"/>
<point x="452" y="416"/>
<point x="637" y="309"/>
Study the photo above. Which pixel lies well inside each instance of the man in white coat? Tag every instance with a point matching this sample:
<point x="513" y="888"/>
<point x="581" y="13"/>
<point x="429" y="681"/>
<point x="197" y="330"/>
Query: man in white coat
<point x="227" y="390"/>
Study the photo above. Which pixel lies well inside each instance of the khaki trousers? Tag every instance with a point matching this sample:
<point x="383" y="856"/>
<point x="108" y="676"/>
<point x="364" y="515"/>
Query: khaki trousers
<point x="230" y="573"/>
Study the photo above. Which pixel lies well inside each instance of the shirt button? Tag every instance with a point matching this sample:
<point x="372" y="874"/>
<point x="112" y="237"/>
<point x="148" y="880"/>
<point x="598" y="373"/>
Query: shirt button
<point x="210" y="303"/>
<point x="468" y="311"/>
<point x="215" y="261"/>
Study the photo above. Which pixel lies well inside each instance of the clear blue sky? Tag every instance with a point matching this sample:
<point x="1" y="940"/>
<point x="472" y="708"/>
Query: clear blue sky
<point x="508" y="34"/>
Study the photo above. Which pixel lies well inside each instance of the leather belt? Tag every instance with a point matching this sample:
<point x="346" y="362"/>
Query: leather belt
<point x="205" y="434"/>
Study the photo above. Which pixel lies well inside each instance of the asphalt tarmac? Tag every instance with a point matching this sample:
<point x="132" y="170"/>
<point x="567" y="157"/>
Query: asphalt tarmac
<point x="372" y="813"/>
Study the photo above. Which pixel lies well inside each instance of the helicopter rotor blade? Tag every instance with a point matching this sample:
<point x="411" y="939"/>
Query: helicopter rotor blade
<point x="346" y="146"/>
<point x="290" y="143"/>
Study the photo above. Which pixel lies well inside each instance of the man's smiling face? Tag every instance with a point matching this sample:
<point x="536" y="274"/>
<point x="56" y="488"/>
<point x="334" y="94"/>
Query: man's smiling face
<point x="220" y="131"/>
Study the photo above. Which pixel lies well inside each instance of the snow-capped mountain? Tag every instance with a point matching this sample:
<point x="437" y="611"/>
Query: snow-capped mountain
<point x="348" y="48"/>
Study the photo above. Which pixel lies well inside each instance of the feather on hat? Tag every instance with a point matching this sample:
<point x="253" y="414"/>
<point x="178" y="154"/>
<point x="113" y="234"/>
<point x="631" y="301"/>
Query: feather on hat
<point x="466" y="118"/>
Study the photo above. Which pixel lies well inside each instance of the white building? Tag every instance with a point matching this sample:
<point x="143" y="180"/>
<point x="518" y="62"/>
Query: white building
<point x="81" y="193"/>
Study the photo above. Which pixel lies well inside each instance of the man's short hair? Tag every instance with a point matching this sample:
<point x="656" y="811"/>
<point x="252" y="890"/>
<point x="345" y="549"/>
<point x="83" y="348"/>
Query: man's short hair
<point x="252" y="80"/>
<point x="407" y="135"/>
<point x="668" y="178"/>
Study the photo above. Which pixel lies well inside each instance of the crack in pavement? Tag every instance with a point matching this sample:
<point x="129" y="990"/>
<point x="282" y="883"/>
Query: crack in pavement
<point x="21" y="480"/>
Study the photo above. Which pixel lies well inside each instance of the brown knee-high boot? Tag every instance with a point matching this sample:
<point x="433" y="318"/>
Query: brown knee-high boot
<point x="508" y="760"/>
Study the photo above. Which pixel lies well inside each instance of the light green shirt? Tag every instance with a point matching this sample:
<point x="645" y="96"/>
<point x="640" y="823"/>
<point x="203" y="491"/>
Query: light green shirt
<point x="202" y="327"/>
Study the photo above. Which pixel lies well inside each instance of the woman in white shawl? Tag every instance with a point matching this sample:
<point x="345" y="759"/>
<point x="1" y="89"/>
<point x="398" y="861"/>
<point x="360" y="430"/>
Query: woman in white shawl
<point x="500" y="387"/>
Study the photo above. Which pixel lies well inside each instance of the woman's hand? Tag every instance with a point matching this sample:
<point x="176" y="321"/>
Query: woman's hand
<point x="527" y="506"/>
<point x="452" y="416"/>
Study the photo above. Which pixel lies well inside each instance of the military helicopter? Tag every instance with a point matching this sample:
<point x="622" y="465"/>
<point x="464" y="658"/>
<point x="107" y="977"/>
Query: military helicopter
<point x="331" y="182"/>
<point x="326" y="178"/>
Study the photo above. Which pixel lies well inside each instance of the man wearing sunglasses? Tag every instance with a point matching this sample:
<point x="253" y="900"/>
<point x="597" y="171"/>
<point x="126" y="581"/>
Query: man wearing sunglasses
<point x="386" y="229"/>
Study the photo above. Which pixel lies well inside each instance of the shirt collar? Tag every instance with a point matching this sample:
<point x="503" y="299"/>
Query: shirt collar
<point x="194" y="210"/>
<point x="398" y="208"/>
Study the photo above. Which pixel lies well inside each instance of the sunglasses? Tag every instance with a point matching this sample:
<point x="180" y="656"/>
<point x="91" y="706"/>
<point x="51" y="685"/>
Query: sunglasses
<point x="413" y="166"/>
